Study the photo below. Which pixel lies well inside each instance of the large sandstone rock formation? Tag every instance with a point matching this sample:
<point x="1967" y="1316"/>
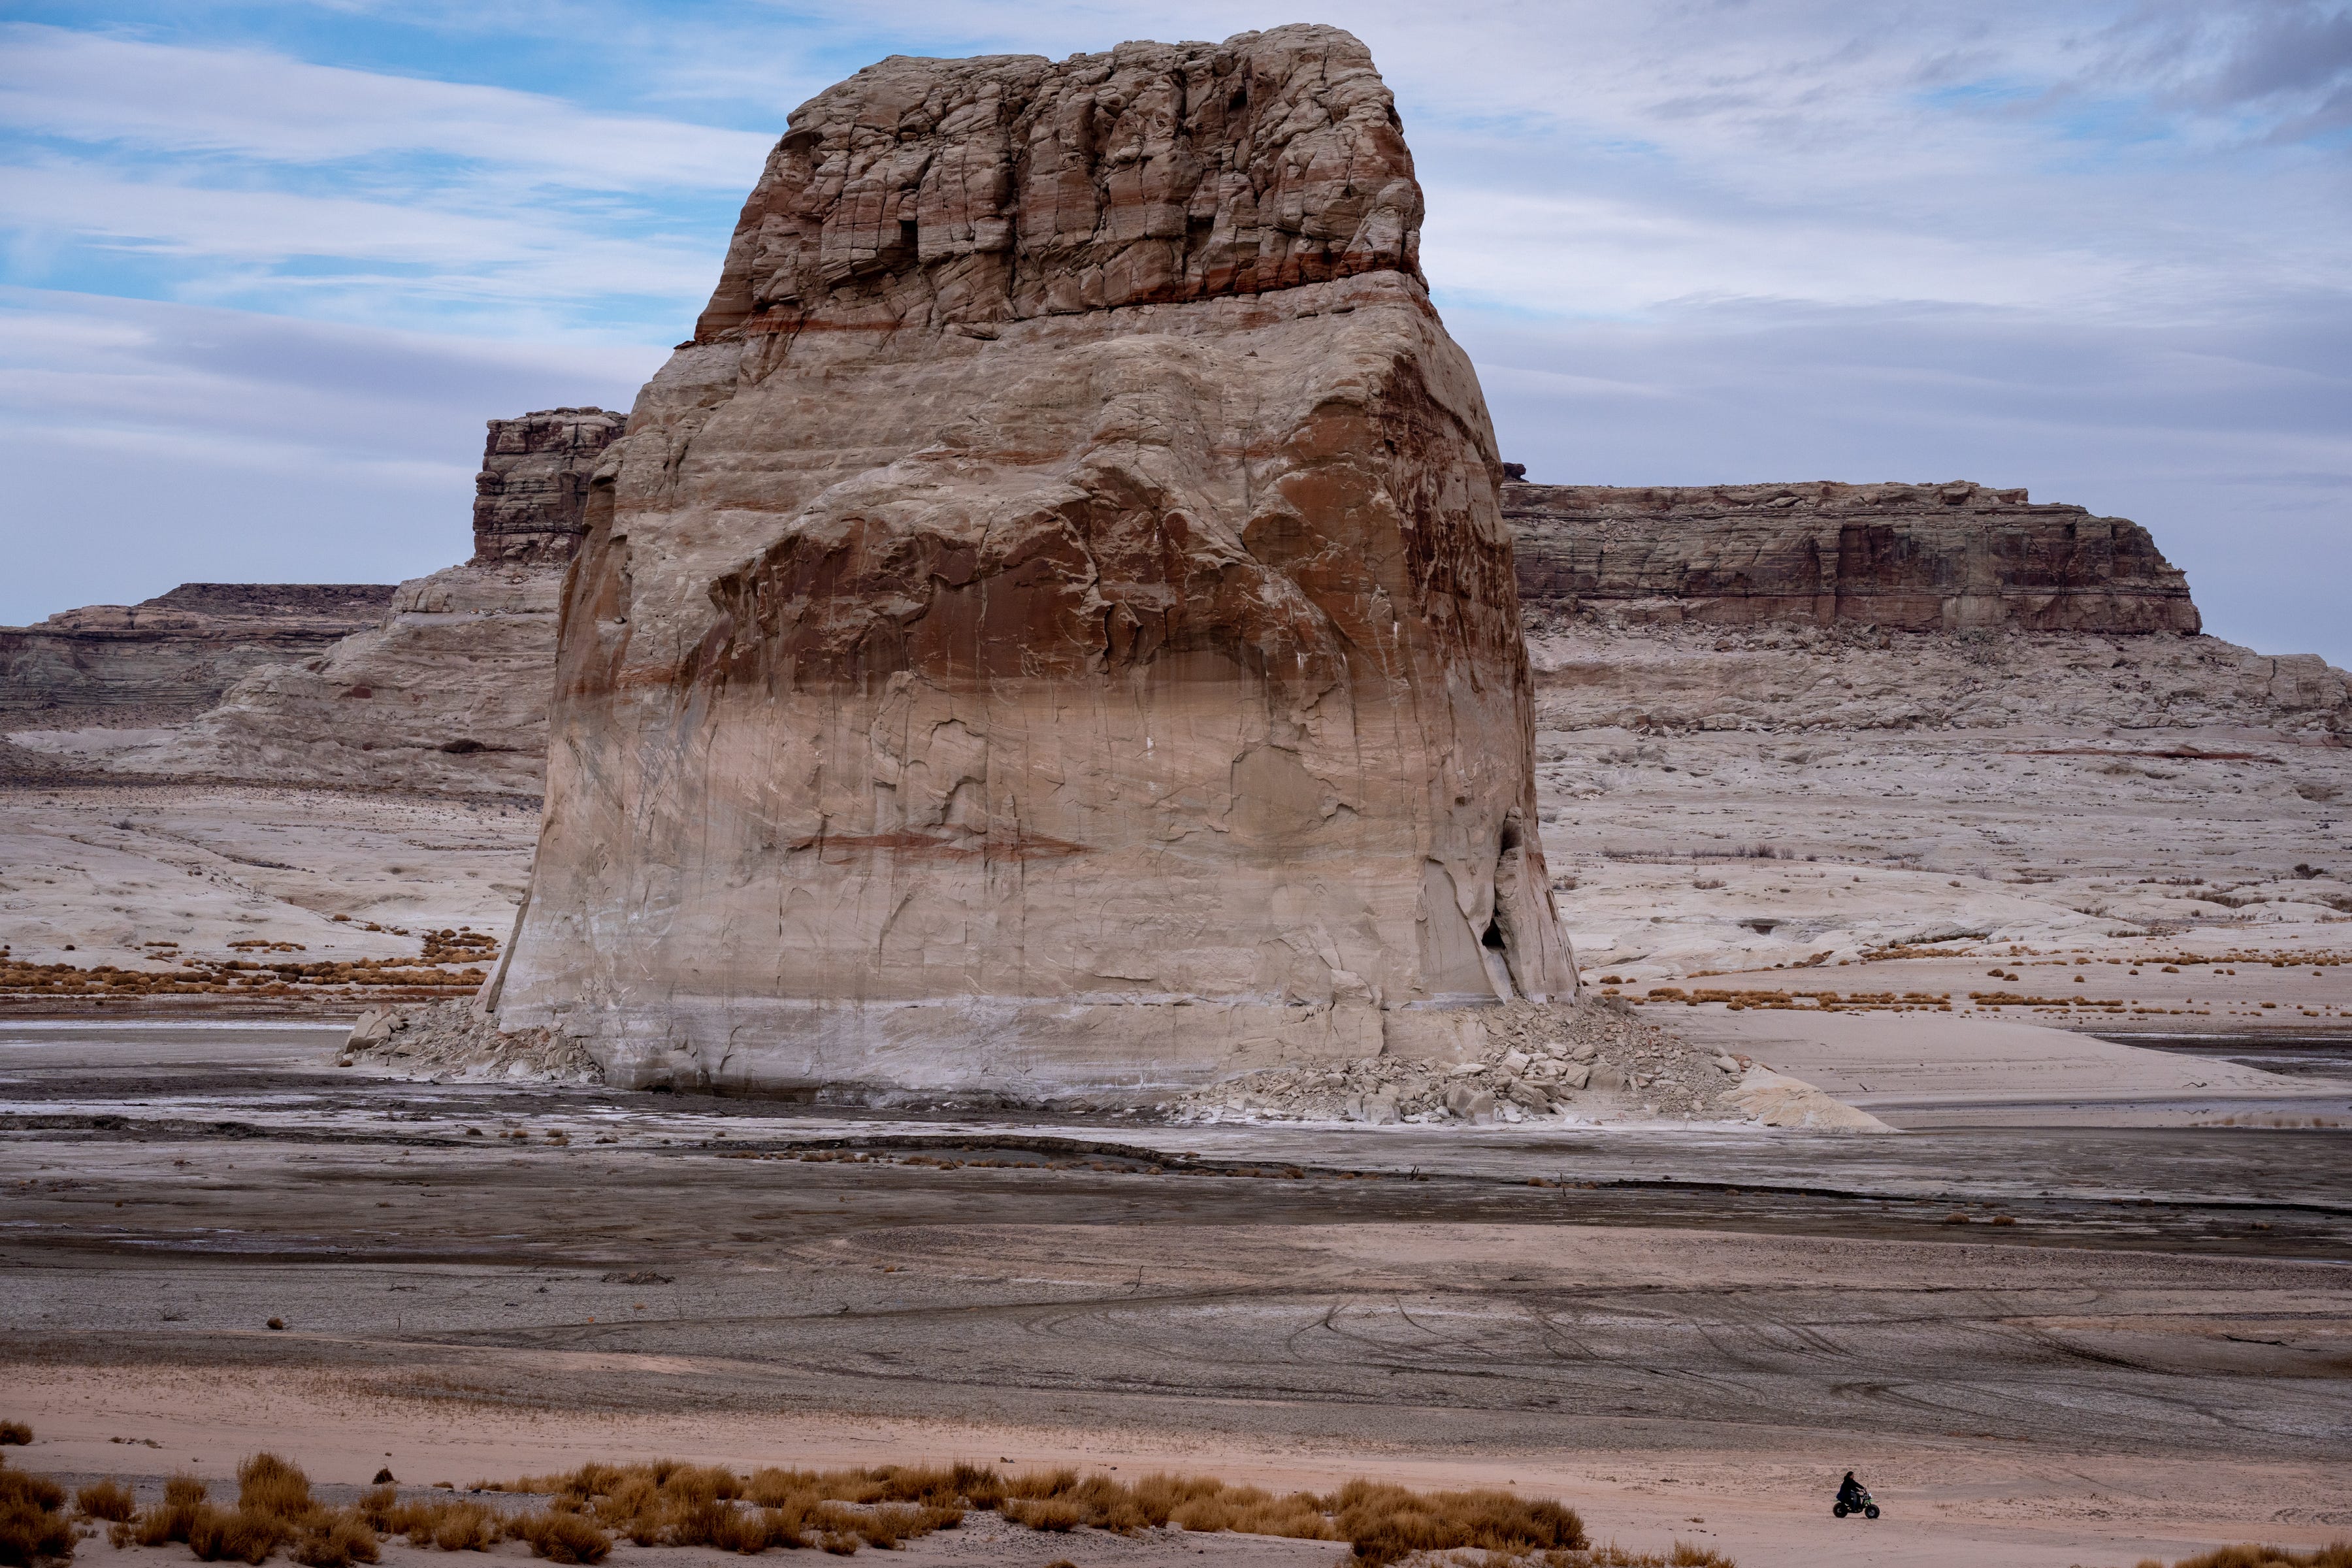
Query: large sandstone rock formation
<point x="449" y="692"/>
<point x="530" y="498"/>
<point x="1053" y="624"/>
<point x="1905" y="557"/>
<point x="172" y="656"/>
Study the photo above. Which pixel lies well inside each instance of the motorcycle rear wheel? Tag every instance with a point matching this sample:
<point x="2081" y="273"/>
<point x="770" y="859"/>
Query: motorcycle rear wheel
<point x="1837" y="1510"/>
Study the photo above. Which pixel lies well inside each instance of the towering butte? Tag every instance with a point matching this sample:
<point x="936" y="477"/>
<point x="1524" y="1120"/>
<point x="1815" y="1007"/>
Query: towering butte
<point x="1054" y="624"/>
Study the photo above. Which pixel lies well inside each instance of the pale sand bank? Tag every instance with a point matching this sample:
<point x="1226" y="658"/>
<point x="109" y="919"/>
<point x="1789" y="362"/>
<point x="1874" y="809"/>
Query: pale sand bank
<point x="1948" y="1505"/>
<point x="1928" y="1062"/>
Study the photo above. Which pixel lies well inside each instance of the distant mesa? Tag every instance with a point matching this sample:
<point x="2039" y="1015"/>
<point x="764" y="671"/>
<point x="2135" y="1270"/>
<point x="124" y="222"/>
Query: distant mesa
<point x="439" y="684"/>
<point x="1902" y="557"/>
<point x="169" y="658"/>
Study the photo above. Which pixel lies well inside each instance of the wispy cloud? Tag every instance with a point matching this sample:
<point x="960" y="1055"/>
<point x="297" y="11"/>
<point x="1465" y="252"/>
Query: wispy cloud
<point x="173" y="442"/>
<point x="2091" y="246"/>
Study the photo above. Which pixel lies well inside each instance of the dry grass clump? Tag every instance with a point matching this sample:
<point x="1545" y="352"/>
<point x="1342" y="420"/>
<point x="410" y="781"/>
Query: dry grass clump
<point x="446" y="1524"/>
<point x="558" y="1532"/>
<point x="2334" y="1554"/>
<point x="107" y="1500"/>
<point x="1056" y="1514"/>
<point x="270" y="1485"/>
<point x="15" y="1432"/>
<point x="1387" y="1523"/>
<point x="275" y="1513"/>
<point x="1060" y="1501"/>
<point x="33" y="1524"/>
<point x="667" y="1503"/>
<point x="560" y="1536"/>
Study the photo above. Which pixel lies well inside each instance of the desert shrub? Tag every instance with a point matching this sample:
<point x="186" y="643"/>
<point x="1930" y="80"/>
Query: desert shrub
<point x="267" y="1484"/>
<point x="2334" y="1554"/>
<point x="1684" y="1555"/>
<point x="698" y="1483"/>
<point x="15" y="1432"/>
<point x="107" y="1500"/>
<point x="933" y="1484"/>
<point x="446" y="1524"/>
<point x="889" y="1523"/>
<point x="1688" y="1555"/>
<point x="169" y="1521"/>
<point x="377" y="1506"/>
<point x="978" y="1485"/>
<point x="33" y="1524"/>
<point x="560" y="1535"/>
<point x="1384" y="1523"/>
<point x="241" y="1535"/>
<point x="666" y="1503"/>
<point x="1041" y="1483"/>
<point x="335" y="1538"/>
<point x="1045" y="1513"/>
<point x="714" y="1522"/>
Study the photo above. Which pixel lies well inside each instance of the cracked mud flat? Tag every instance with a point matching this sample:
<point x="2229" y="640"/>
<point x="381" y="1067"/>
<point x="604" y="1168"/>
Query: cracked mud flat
<point x="1676" y="1327"/>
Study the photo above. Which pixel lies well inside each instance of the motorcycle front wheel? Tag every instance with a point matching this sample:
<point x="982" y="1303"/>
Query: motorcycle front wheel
<point x="1871" y="1512"/>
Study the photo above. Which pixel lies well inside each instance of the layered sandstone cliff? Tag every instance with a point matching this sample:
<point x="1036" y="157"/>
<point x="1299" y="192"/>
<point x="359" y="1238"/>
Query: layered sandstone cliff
<point x="1905" y="557"/>
<point x="172" y="656"/>
<point x="1053" y="624"/>
<point x="449" y="692"/>
<point x="529" y="500"/>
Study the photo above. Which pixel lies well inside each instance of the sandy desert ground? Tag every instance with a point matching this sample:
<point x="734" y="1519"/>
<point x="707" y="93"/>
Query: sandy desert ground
<point x="2090" y="1306"/>
<point x="1683" y="1334"/>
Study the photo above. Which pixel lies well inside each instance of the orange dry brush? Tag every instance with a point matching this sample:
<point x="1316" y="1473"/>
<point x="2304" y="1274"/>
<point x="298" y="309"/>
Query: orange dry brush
<point x="672" y="1504"/>
<point x="275" y="1513"/>
<point x="34" y="1525"/>
<point x="2334" y="1554"/>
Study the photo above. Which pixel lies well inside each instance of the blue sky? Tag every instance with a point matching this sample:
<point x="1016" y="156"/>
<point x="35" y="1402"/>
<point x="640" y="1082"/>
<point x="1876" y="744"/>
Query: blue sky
<point x="265" y="268"/>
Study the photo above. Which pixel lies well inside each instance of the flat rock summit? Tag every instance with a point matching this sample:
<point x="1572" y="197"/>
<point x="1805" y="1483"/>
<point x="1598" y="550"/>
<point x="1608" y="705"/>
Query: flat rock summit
<point x="1916" y="558"/>
<point x="1055" y="621"/>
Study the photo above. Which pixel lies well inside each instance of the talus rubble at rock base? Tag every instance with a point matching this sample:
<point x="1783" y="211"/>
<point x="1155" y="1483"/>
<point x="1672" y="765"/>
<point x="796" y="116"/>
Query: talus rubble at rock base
<point x="1594" y="1062"/>
<point x="1055" y="625"/>
<point x="456" y="1040"/>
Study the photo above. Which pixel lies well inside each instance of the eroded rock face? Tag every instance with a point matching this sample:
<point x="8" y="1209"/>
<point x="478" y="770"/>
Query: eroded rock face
<point x="530" y="496"/>
<point x="173" y="655"/>
<point x="1055" y="625"/>
<point x="1905" y="557"/>
<point x="1010" y="187"/>
<point x="449" y="692"/>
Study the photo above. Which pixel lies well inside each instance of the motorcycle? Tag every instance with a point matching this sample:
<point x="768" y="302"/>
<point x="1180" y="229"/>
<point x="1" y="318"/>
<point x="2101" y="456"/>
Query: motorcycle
<point x="1860" y="1503"/>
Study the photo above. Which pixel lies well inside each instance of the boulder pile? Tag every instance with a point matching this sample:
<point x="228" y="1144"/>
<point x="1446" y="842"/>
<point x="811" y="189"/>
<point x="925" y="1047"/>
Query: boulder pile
<point x="1599" y="1061"/>
<point x="454" y="1039"/>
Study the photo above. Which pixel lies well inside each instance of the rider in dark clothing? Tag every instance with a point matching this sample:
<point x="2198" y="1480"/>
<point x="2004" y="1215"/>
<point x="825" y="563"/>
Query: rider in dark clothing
<point x="1850" y="1491"/>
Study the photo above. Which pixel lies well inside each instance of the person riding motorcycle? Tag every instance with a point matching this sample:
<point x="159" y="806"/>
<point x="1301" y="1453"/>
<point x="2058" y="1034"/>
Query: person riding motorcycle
<point x="1853" y="1497"/>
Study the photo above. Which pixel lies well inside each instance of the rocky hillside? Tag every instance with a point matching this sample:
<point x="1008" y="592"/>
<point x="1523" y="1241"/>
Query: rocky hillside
<point x="1919" y="558"/>
<point x="172" y="656"/>
<point x="448" y="694"/>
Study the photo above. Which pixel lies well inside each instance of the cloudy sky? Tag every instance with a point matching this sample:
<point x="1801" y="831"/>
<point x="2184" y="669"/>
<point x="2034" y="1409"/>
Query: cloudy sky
<point x="266" y="268"/>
